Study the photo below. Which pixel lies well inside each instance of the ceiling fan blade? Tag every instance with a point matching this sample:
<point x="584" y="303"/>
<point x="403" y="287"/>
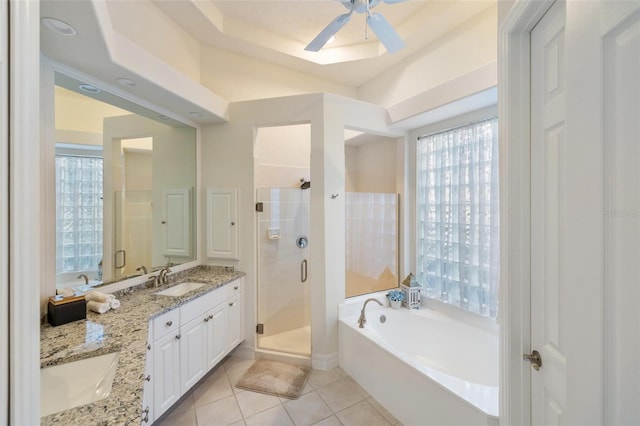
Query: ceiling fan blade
<point x="330" y="30"/>
<point x="385" y="32"/>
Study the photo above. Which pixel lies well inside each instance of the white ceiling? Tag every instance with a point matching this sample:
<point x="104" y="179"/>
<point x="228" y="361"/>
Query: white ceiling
<point x="278" y="31"/>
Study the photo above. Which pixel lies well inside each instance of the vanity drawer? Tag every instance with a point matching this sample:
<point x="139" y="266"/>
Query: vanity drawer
<point x="166" y="323"/>
<point x="202" y="304"/>
<point x="234" y="287"/>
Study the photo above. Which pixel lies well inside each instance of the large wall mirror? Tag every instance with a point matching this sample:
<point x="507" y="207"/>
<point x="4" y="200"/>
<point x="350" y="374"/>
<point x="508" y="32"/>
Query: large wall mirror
<point x="125" y="187"/>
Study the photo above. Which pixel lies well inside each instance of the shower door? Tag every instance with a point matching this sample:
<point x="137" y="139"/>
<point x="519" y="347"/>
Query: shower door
<point x="284" y="311"/>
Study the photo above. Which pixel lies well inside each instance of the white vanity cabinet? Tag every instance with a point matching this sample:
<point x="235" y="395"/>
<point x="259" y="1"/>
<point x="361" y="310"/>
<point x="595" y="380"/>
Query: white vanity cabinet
<point x="189" y="341"/>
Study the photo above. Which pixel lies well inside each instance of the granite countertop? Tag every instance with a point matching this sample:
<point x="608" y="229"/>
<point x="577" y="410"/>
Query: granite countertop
<point x="125" y="330"/>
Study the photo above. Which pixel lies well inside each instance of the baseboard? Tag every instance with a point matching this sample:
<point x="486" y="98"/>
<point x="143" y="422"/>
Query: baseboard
<point x="324" y="362"/>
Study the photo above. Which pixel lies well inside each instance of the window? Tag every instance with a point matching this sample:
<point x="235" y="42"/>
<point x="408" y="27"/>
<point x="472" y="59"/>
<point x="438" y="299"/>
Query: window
<point x="78" y="213"/>
<point x="458" y="216"/>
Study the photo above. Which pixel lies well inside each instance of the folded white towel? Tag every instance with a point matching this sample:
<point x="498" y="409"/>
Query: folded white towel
<point x="98" y="296"/>
<point x="115" y="304"/>
<point x="98" y="307"/>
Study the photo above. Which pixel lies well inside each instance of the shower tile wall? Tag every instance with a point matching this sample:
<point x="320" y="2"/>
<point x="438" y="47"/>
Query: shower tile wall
<point x="283" y="300"/>
<point x="371" y="242"/>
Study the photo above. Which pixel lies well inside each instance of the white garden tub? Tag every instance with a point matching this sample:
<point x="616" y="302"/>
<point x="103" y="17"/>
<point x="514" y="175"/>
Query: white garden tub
<point x="424" y="367"/>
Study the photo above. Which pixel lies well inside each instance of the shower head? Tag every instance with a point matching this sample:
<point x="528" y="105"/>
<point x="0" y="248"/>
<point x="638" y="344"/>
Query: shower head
<point x="305" y="184"/>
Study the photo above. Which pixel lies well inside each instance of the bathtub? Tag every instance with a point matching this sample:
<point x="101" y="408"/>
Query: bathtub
<point x="422" y="366"/>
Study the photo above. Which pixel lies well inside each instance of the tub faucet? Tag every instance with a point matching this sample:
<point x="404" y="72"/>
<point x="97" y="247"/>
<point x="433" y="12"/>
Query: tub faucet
<point x="86" y="278"/>
<point x="162" y="275"/>
<point x="362" y="320"/>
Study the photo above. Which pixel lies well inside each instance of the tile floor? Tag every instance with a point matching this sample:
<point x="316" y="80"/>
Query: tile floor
<point x="329" y="398"/>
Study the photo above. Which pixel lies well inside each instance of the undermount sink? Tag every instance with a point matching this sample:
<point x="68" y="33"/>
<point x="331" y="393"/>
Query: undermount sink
<point x="180" y="289"/>
<point x="76" y="383"/>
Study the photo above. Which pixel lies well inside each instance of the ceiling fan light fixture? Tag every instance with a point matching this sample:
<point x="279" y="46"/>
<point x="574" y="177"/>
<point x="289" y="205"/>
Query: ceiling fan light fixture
<point x="380" y="26"/>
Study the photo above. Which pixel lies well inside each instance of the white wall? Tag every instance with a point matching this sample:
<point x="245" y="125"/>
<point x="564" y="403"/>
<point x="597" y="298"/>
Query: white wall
<point x="143" y="23"/>
<point x="282" y="156"/>
<point x="371" y="167"/>
<point x="469" y="47"/>
<point x="79" y="113"/>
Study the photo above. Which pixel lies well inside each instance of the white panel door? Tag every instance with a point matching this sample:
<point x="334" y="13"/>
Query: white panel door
<point x="166" y="373"/>
<point x="222" y="229"/>
<point x="585" y="213"/>
<point x="177" y="222"/>
<point x="548" y="215"/>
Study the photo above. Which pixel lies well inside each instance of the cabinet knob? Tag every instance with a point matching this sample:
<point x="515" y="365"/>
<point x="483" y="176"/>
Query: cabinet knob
<point x="211" y="316"/>
<point x="235" y="287"/>
<point x="233" y="223"/>
<point x="231" y="304"/>
<point x="206" y="319"/>
<point x="178" y="337"/>
<point x="148" y="346"/>
<point x="146" y="415"/>
<point x="169" y="323"/>
<point x="148" y="378"/>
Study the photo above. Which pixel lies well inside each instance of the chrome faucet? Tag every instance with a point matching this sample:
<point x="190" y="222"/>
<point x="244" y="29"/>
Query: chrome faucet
<point x="162" y="275"/>
<point x="86" y="278"/>
<point x="143" y="269"/>
<point x="155" y="280"/>
<point x="362" y="320"/>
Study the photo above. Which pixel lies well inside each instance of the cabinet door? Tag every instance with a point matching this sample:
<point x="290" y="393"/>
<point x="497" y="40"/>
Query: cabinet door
<point x="166" y="372"/>
<point x="222" y="229"/>
<point x="193" y="362"/>
<point x="234" y="315"/>
<point x="177" y="222"/>
<point x="217" y="341"/>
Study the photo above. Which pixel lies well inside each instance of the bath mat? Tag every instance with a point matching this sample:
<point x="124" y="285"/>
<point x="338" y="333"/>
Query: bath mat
<point x="275" y="378"/>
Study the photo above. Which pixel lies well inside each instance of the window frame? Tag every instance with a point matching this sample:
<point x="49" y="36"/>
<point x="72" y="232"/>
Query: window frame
<point x="411" y="244"/>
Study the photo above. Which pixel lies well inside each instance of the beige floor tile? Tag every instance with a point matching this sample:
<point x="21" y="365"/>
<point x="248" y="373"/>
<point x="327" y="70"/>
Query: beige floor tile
<point x="180" y="418"/>
<point x="215" y="387"/>
<point x="238" y="423"/>
<point x="219" y="413"/>
<point x="362" y="391"/>
<point x="329" y="421"/>
<point x="237" y="364"/>
<point x="234" y="377"/>
<point x="361" y="414"/>
<point x="385" y="413"/>
<point x="184" y="404"/>
<point x="276" y="416"/>
<point x="339" y="395"/>
<point x="320" y="378"/>
<point x="307" y="409"/>
<point x="252" y="402"/>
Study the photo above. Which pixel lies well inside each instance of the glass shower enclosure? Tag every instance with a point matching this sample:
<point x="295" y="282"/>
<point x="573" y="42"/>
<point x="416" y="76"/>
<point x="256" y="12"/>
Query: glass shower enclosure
<point x="284" y="309"/>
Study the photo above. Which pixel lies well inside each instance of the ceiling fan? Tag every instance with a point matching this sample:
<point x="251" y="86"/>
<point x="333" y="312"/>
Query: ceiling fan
<point x="380" y="26"/>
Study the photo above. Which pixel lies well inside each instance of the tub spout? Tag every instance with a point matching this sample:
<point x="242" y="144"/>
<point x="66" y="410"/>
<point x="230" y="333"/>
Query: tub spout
<point x="362" y="320"/>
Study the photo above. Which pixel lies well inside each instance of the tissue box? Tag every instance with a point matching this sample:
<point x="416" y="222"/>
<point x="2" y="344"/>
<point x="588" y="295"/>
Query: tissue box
<point x="62" y="310"/>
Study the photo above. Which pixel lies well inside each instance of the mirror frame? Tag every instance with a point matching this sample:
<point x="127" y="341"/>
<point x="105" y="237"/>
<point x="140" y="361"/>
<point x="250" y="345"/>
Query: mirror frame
<point x="48" y="70"/>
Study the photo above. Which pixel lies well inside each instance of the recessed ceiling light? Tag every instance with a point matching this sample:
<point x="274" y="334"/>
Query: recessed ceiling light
<point x="58" y="26"/>
<point x="88" y="88"/>
<point x="163" y="117"/>
<point x="195" y="114"/>
<point x="126" y="82"/>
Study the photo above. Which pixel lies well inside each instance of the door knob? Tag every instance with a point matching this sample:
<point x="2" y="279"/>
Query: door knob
<point x="535" y="359"/>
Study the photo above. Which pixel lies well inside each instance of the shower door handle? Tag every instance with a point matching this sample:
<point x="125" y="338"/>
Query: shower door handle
<point x="303" y="270"/>
<point x="124" y="259"/>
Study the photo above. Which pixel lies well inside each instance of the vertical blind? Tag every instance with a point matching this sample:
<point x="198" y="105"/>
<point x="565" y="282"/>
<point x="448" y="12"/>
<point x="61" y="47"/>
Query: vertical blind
<point x="78" y="213"/>
<point x="458" y="216"/>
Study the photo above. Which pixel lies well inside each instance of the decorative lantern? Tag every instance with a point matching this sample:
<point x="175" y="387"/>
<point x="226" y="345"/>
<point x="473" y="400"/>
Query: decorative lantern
<point x="411" y="289"/>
